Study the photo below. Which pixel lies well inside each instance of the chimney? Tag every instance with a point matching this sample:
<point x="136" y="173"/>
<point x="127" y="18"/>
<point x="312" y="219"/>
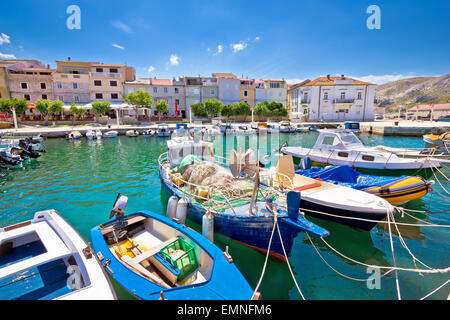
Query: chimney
<point x="342" y="77"/>
<point x="328" y="77"/>
<point x="68" y="59"/>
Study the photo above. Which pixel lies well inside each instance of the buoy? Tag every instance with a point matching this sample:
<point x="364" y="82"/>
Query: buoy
<point x="208" y="226"/>
<point x="172" y="207"/>
<point x="181" y="210"/>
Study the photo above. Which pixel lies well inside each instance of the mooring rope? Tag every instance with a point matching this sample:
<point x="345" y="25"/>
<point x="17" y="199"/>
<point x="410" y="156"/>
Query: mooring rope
<point x="397" y="284"/>
<point x="435" y="290"/>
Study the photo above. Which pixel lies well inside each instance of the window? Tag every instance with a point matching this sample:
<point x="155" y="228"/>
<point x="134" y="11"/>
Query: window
<point x="59" y="85"/>
<point x="155" y="89"/>
<point x="165" y="90"/>
<point x="177" y="102"/>
<point x="368" y="158"/>
<point x="359" y="96"/>
<point x="349" y="139"/>
<point x="343" y="154"/>
<point x="24" y="85"/>
<point x="113" y="83"/>
<point x="213" y="91"/>
<point x="114" y="96"/>
<point x="76" y="98"/>
<point x="99" y="70"/>
<point x="113" y="70"/>
<point x="43" y="85"/>
<point x="177" y="90"/>
<point x="75" y="85"/>
<point x="44" y="96"/>
<point x="99" y="96"/>
<point x="245" y="93"/>
<point x="342" y="95"/>
<point x="325" y="96"/>
<point x="97" y="83"/>
<point x="330" y="141"/>
<point x="275" y="85"/>
<point x="26" y="97"/>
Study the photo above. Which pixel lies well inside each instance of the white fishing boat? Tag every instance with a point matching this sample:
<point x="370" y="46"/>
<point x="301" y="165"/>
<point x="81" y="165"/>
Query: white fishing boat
<point x="286" y="127"/>
<point x="73" y="135"/>
<point x="90" y="134"/>
<point x="110" y="134"/>
<point x="272" y="128"/>
<point x="214" y="131"/>
<point x="148" y="133"/>
<point x="338" y="147"/>
<point x="132" y="133"/>
<point x="244" y="130"/>
<point x="302" y="128"/>
<point x="45" y="259"/>
<point x="163" y="130"/>
<point x="98" y="134"/>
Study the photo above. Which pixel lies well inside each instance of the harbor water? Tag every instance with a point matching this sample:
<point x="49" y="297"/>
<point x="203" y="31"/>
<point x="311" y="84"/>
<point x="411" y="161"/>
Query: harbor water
<point x="81" y="180"/>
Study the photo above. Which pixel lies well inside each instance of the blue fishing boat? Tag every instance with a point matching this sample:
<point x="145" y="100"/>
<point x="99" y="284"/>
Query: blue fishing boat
<point x="240" y="211"/>
<point x="154" y="257"/>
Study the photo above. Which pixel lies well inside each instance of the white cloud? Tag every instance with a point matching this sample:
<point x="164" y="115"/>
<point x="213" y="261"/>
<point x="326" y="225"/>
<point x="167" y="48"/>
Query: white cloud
<point x="174" y="60"/>
<point x="257" y="38"/>
<point x="380" y="79"/>
<point x="239" y="46"/>
<point x="209" y="49"/>
<point x="118" y="46"/>
<point x="4" y="39"/>
<point x="151" y="69"/>
<point x="219" y="50"/>
<point x="122" y="26"/>
<point x="7" y="56"/>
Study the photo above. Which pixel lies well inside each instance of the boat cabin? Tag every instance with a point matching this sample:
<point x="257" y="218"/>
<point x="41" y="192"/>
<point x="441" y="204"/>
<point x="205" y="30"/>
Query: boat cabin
<point x="342" y="139"/>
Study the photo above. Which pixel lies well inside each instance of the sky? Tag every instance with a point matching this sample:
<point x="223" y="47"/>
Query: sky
<point x="294" y="40"/>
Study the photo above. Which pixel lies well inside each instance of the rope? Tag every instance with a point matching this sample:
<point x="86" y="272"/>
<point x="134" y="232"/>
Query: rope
<point x="435" y="290"/>
<point x="267" y="257"/>
<point x="423" y="211"/>
<point x="446" y="270"/>
<point x="289" y="265"/>
<point x="393" y="258"/>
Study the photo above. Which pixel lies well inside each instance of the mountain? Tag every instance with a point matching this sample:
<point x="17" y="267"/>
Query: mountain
<point x="412" y="91"/>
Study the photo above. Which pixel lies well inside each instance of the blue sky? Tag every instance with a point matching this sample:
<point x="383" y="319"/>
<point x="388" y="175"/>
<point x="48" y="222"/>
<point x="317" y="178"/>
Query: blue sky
<point x="293" y="40"/>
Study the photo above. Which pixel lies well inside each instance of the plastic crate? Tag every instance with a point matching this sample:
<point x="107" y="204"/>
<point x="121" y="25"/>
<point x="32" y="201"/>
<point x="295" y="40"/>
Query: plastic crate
<point x="182" y="256"/>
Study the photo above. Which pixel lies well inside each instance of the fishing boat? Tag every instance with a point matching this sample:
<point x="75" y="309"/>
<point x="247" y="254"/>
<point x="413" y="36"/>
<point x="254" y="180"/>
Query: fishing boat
<point x="342" y="147"/>
<point x="154" y="257"/>
<point x="302" y="128"/>
<point x="73" y="135"/>
<point x="396" y="190"/>
<point x="148" y="133"/>
<point x="132" y="133"/>
<point x="90" y="134"/>
<point x="440" y="141"/>
<point x="434" y="152"/>
<point x="110" y="134"/>
<point x="286" y="127"/>
<point x="10" y="157"/>
<point x="191" y="172"/>
<point x="273" y="128"/>
<point x="350" y="126"/>
<point x="163" y="130"/>
<point x="328" y="201"/>
<point x="243" y="130"/>
<point x="262" y="127"/>
<point x="45" y="259"/>
<point x="214" y="131"/>
<point x="98" y="134"/>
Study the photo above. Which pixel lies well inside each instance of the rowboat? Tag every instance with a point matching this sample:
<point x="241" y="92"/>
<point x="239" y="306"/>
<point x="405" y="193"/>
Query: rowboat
<point x="132" y="133"/>
<point x="396" y="190"/>
<point x="110" y="134"/>
<point x="239" y="212"/>
<point x="163" y="130"/>
<point x="45" y="258"/>
<point x="73" y="135"/>
<point x="154" y="257"/>
<point x="342" y="147"/>
<point x="441" y="141"/>
<point x="148" y="133"/>
<point x="286" y="127"/>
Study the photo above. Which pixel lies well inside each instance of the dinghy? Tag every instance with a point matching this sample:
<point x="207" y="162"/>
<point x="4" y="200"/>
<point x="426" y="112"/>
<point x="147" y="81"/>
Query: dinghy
<point x="286" y="127"/>
<point x="73" y="135"/>
<point x="191" y="172"/>
<point x="10" y="156"/>
<point x="148" y="133"/>
<point x="132" y="133"/>
<point x="326" y="200"/>
<point x="45" y="258"/>
<point x="154" y="257"/>
<point x="110" y="134"/>
<point x="342" y="147"/>
<point x="163" y="130"/>
<point x="302" y="128"/>
<point x="396" y="190"/>
<point x="90" y="135"/>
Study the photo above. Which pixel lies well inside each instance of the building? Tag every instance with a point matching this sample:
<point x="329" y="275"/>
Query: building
<point x="228" y="87"/>
<point x="210" y="89"/>
<point x="106" y="81"/>
<point x="193" y="91"/>
<point x="276" y="91"/>
<point x="30" y="80"/>
<point x="4" y="86"/>
<point x="247" y="91"/>
<point x="260" y="91"/>
<point x="335" y="99"/>
<point x="294" y="102"/>
<point x="71" y="81"/>
<point x="431" y="111"/>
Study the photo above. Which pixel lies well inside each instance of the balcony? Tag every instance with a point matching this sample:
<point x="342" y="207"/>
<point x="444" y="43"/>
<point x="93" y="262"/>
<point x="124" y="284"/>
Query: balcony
<point x="344" y="101"/>
<point x="105" y="75"/>
<point x="305" y="101"/>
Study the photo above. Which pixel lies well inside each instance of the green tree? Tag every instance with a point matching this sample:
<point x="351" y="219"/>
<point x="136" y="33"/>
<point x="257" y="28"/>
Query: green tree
<point x="161" y="106"/>
<point x="213" y="107"/>
<point x="56" y="106"/>
<point x="43" y="106"/>
<point x="140" y="99"/>
<point x="261" y="109"/>
<point x="227" y="111"/>
<point x="242" y="109"/>
<point x="199" y="110"/>
<point x="20" y="105"/>
<point x="77" y="112"/>
<point x="100" y="108"/>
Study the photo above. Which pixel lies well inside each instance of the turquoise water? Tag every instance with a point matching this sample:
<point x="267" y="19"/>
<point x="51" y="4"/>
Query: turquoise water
<point x="81" y="180"/>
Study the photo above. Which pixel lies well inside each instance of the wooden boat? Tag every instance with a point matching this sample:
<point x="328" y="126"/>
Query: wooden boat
<point x="342" y="147"/>
<point x="326" y="200"/>
<point x="441" y="141"/>
<point x="154" y="257"/>
<point x="110" y="134"/>
<point x="396" y="190"/>
<point x="286" y="127"/>
<point x="163" y="130"/>
<point x="132" y="133"/>
<point x="148" y="133"/>
<point x="243" y="215"/>
<point x="45" y="258"/>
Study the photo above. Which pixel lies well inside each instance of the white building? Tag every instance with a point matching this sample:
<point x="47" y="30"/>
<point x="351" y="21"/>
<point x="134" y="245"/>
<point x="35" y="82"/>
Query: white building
<point x="333" y="99"/>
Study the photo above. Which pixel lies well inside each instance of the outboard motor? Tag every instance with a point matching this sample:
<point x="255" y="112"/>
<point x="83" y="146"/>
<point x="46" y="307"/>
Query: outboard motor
<point x="119" y="206"/>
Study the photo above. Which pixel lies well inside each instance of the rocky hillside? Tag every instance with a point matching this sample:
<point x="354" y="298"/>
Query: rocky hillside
<point x="412" y="91"/>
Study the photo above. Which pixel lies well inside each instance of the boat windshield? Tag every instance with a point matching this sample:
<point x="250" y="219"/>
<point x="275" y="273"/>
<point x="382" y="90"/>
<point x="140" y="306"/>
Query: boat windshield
<point x="350" y="139"/>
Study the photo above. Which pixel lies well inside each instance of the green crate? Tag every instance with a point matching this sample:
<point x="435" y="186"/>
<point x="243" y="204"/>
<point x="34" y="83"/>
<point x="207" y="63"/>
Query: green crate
<point x="186" y="263"/>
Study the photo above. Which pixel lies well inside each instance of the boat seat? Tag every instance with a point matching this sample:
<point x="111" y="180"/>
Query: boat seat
<point x="286" y="167"/>
<point x="152" y="251"/>
<point x="135" y="265"/>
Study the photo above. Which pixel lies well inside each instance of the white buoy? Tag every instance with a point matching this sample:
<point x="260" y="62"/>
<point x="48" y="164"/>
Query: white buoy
<point x="181" y="210"/>
<point x="172" y="207"/>
<point x="208" y="226"/>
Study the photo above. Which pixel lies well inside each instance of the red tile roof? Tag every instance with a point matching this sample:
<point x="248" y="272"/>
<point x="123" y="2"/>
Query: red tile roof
<point x="329" y="81"/>
<point x="429" y="107"/>
<point x="224" y="75"/>
<point x="161" y="82"/>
